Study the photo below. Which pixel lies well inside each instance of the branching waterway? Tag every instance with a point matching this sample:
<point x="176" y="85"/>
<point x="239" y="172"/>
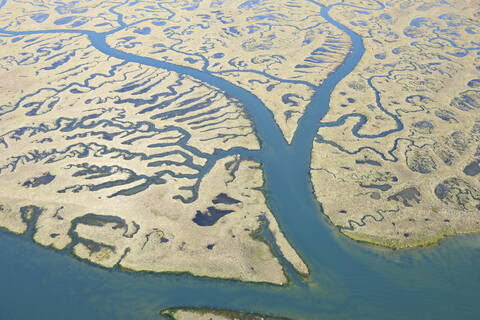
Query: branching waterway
<point x="347" y="281"/>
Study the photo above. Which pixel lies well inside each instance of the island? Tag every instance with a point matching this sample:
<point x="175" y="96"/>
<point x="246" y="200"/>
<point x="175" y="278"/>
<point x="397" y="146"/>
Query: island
<point x="132" y="162"/>
<point x="212" y="314"/>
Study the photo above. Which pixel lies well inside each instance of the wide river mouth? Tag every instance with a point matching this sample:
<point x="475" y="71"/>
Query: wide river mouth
<point x="348" y="280"/>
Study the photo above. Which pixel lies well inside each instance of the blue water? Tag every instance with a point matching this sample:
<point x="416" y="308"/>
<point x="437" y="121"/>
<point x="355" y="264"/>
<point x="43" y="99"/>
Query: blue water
<point x="348" y="280"/>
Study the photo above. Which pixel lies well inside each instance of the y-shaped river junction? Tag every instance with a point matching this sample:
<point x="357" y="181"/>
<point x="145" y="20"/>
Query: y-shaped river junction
<point x="215" y="159"/>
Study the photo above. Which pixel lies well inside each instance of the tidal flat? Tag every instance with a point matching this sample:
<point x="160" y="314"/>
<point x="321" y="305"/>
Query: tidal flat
<point x="224" y="154"/>
<point x="400" y="143"/>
